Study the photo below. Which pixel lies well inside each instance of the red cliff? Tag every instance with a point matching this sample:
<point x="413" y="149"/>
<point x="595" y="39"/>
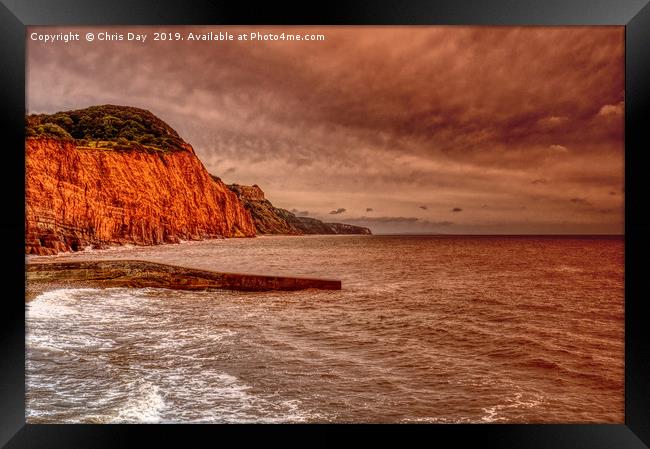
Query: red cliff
<point x="83" y="195"/>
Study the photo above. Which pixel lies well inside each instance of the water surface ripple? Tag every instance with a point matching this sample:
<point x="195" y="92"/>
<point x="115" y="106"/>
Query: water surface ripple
<point x="425" y="329"/>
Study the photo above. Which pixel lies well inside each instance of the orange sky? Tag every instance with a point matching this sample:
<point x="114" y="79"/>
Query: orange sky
<point x="402" y="129"/>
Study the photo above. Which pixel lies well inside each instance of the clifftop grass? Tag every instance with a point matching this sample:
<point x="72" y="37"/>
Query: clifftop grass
<point x="107" y="126"/>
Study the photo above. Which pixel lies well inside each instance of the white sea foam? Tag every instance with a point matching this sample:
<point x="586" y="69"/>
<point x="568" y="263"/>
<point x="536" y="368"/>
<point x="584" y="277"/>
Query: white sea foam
<point x="54" y="304"/>
<point x="146" y="406"/>
<point x="514" y="404"/>
<point x="491" y="414"/>
<point x="567" y="269"/>
<point x="437" y="420"/>
<point x="217" y="397"/>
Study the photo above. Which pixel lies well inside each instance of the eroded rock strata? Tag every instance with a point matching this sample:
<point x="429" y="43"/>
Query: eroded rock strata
<point x="267" y="218"/>
<point x="80" y="195"/>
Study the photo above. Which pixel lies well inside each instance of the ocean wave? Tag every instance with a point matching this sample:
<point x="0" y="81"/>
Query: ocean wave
<point x="217" y="397"/>
<point x="146" y="406"/>
<point x="514" y="406"/>
<point x="55" y="303"/>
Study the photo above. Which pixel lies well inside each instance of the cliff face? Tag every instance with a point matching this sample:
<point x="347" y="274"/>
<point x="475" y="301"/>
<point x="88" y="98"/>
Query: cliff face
<point x="89" y="195"/>
<point x="269" y="219"/>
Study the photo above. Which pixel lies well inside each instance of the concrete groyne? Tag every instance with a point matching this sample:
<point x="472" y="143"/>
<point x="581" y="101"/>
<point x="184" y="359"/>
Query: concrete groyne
<point x="140" y="274"/>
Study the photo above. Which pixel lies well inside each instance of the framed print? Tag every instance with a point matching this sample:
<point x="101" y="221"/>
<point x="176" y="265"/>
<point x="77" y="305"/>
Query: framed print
<point x="410" y="221"/>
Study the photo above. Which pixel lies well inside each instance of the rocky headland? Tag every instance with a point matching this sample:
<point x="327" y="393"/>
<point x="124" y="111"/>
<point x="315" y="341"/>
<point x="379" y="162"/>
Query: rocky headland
<point x="122" y="176"/>
<point x="269" y="219"/>
<point x="113" y="175"/>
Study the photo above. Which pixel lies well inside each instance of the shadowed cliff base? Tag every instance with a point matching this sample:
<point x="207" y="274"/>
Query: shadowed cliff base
<point x="142" y="274"/>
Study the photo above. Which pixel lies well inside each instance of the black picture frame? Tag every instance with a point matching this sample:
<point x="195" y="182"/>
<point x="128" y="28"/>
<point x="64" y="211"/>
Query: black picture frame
<point x="15" y="15"/>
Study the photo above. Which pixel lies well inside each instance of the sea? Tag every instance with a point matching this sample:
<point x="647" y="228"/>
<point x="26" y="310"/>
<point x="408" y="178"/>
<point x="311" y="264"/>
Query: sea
<point x="426" y="329"/>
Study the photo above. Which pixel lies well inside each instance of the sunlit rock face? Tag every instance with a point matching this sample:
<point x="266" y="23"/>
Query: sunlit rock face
<point x="78" y="194"/>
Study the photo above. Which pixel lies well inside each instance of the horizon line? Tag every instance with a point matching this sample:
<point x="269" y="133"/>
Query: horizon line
<point x="499" y="235"/>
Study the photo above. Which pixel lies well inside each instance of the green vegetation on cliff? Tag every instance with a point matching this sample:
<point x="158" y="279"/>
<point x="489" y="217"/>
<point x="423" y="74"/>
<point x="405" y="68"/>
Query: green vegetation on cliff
<point x="107" y="126"/>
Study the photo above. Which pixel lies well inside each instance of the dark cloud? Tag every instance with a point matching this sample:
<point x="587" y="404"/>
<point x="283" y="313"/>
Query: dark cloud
<point x="581" y="201"/>
<point x="457" y="209"/>
<point x="385" y="219"/>
<point x="369" y="209"/>
<point x="379" y="114"/>
<point x="340" y="210"/>
<point x="423" y="207"/>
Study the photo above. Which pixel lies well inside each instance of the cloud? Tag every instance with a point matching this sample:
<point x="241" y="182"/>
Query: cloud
<point x="385" y="219"/>
<point x="539" y="181"/>
<point x="340" y="210"/>
<point x="612" y="109"/>
<point x="369" y="209"/>
<point x="302" y="213"/>
<point x="457" y="209"/>
<point x="552" y="121"/>
<point x="581" y="201"/>
<point x="558" y="148"/>
<point x="423" y="207"/>
<point x="401" y="111"/>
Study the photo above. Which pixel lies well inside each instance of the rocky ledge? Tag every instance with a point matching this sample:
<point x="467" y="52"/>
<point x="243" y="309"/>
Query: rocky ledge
<point x="141" y="274"/>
